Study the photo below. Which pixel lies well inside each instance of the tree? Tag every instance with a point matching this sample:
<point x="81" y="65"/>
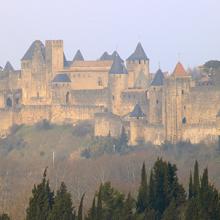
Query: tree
<point x="128" y="208"/>
<point x="190" y="194"/>
<point x="80" y="210"/>
<point x="41" y="202"/>
<point x="92" y="215"/>
<point x="142" y="199"/>
<point x="63" y="207"/>
<point x="151" y="191"/>
<point x="99" y="204"/>
<point x="196" y="183"/>
<point x="4" y="217"/>
<point x="123" y="141"/>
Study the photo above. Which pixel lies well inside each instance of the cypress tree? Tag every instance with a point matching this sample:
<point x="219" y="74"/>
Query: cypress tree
<point x="62" y="208"/>
<point x="92" y="211"/>
<point x="190" y="186"/>
<point x="99" y="204"/>
<point x="142" y="200"/>
<point x="41" y="202"/>
<point x="80" y="210"/>
<point x="151" y="191"/>
<point x="196" y="185"/>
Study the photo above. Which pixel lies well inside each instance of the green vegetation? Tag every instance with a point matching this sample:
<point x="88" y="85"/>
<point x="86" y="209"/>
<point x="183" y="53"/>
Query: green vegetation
<point x="160" y="198"/>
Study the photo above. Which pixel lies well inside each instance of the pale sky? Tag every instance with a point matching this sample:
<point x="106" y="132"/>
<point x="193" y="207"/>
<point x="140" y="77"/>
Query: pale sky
<point x="165" y="28"/>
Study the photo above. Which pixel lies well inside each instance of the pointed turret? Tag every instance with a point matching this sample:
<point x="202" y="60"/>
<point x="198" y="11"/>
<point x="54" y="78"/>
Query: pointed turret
<point x="179" y="70"/>
<point x="35" y="47"/>
<point x="158" y="79"/>
<point x="107" y="56"/>
<point x="137" y="112"/>
<point x="78" y="56"/>
<point x="8" y="67"/>
<point x="118" y="66"/>
<point x="139" y="54"/>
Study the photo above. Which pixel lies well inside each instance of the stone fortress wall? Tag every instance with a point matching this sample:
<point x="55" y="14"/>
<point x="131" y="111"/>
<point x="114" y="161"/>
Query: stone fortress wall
<point x="111" y="92"/>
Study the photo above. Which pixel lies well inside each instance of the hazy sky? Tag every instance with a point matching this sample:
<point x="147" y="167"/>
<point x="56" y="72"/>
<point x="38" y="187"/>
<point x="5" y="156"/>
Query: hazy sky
<point x="166" y="28"/>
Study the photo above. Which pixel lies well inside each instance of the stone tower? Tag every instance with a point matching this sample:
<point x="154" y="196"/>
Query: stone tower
<point x="33" y="73"/>
<point x="177" y="88"/>
<point x="138" y="69"/>
<point x="118" y="82"/>
<point x="61" y="86"/>
<point x="137" y="124"/>
<point x="156" y="101"/>
<point x="54" y="57"/>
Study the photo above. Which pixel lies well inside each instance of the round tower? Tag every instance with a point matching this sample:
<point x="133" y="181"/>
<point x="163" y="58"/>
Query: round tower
<point x="118" y="82"/>
<point x="138" y="69"/>
<point x="137" y="122"/>
<point x="156" y="101"/>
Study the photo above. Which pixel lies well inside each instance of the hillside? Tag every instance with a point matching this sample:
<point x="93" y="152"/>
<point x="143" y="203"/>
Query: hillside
<point x="29" y="149"/>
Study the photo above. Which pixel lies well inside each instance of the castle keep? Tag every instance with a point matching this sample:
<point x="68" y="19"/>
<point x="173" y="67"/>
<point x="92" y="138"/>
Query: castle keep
<point x="110" y="92"/>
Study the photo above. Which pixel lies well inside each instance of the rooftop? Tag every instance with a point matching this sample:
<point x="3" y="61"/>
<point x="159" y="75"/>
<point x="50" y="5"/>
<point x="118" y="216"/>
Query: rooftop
<point x="118" y="66"/>
<point x="8" y="67"/>
<point x="35" y="46"/>
<point x="179" y="70"/>
<point x="61" y="78"/>
<point x="158" y="79"/>
<point x="137" y="112"/>
<point x="139" y="54"/>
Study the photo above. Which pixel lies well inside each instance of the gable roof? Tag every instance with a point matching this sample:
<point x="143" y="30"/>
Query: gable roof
<point x="118" y="66"/>
<point x="158" y="79"/>
<point x="8" y="67"/>
<point x="78" y="56"/>
<point x="179" y="70"/>
<point x="139" y="54"/>
<point x="61" y="78"/>
<point x="35" y="46"/>
<point x="137" y="112"/>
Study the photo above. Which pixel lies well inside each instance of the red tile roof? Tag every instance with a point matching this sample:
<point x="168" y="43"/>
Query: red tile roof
<point x="179" y="70"/>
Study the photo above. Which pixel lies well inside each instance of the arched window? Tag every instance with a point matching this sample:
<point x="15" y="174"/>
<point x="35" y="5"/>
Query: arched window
<point x="9" y="102"/>
<point x="67" y="98"/>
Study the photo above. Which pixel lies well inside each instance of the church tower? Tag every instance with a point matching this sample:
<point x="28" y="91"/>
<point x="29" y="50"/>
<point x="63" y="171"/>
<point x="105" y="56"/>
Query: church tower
<point x="118" y="82"/>
<point x="138" y="69"/>
<point x="177" y="88"/>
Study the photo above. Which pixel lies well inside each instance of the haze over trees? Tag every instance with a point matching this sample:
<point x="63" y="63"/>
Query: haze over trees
<point x="160" y="197"/>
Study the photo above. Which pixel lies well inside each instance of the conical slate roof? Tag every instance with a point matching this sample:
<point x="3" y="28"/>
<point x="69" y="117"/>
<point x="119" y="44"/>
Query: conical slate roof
<point x="118" y="67"/>
<point x="107" y="56"/>
<point x="139" y="54"/>
<point x="78" y="56"/>
<point x="61" y="78"/>
<point x="8" y="67"/>
<point x="137" y="112"/>
<point x="179" y="70"/>
<point x="66" y="63"/>
<point x="158" y="79"/>
<point x="35" y="46"/>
